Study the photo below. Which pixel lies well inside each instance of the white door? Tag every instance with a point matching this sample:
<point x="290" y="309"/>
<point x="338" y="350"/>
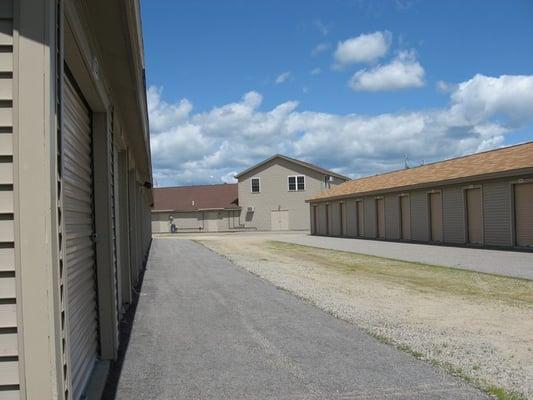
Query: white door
<point x="279" y="220"/>
<point x="82" y="319"/>
<point x="211" y="221"/>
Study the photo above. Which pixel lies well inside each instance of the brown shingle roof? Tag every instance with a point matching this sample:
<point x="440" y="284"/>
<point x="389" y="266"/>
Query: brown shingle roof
<point x="507" y="159"/>
<point x="192" y="198"/>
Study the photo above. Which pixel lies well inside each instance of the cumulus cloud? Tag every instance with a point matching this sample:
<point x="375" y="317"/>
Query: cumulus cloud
<point x="283" y="77"/>
<point x="211" y="146"/>
<point x="365" y="48"/>
<point x="403" y="72"/>
<point x="315" y="71"/>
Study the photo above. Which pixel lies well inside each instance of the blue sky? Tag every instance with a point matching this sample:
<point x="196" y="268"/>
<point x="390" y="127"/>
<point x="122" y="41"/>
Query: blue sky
<point x="351" y="85"/>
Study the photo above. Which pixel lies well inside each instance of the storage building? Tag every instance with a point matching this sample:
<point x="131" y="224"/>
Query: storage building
<point x="75" y="193"/>
<point x="201" y="208"/>
<point x="483" y="199"/>
<point x="272" y="193"/>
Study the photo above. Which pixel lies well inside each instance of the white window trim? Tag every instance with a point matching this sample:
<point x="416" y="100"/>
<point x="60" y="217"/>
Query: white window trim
<point x="252" y="186"/>
<point x="296" y="182"/>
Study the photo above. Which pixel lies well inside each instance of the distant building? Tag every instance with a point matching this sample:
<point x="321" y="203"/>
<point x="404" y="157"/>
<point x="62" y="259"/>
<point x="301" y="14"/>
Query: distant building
<point x="484" y="199"/>
<point x="272" y="193"/>
<point x="202" y="208"/>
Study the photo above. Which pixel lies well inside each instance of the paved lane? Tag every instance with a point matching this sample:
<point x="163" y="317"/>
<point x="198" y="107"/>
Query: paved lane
<point x="205" y="329"/>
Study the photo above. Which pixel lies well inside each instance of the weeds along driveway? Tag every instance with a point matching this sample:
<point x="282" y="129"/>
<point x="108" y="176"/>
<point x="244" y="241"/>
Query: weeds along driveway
<point x="207" y="329"/>
<point x="478" y="326"/>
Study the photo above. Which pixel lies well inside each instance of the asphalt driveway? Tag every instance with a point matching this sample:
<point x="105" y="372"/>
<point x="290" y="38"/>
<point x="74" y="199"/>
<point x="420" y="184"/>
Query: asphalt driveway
<point x="206" y="329"/>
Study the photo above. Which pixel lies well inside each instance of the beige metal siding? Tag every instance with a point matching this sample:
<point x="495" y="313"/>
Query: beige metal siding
<point x="392" y="217"/>
<point x="9" y="371"/>
<point x="523" y="202"/>
<point x="435" y="210"/>
<point x="474" y="212"/>
<point x="497" y="213"/>
<point x="419" y="216"/>
<point x="453" y="211"/>
<point x="405" y="217"/>
<point x="380" y="216"/>
<point x="79" y="225"/>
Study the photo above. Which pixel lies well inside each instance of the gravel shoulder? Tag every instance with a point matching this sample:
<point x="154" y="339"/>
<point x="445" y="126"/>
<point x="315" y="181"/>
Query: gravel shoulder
<point x="474" y="325"/>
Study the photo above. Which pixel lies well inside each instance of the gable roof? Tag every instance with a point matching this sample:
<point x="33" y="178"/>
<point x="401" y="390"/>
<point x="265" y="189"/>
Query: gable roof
<point x="195" y="198"/>
<point x="294" y="161"/>
<point x="503" y="161"/>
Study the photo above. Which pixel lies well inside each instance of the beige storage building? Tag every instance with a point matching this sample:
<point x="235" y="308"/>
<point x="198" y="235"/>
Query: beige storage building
<point x="200" y="208"/>
<point x="484" y="199"/>
<point x="75" y="190"/>
<point x="272" y="193"/>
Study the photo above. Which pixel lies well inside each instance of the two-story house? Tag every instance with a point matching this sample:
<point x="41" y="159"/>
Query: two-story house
<point x="272" y="193"/>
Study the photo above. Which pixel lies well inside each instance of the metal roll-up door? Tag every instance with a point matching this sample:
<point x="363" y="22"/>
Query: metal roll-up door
<point x="435" y="210"/>
<point x="523" y="203"/>
<point x="474" y="216"/>
<point x="82" y="320"/>
<point x="405" y="215"/>
<point x="380" y="205"/>
<point x="360" y="221"/>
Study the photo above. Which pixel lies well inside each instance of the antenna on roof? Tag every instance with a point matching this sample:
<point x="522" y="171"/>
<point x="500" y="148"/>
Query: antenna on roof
<point x="406" y="161"/>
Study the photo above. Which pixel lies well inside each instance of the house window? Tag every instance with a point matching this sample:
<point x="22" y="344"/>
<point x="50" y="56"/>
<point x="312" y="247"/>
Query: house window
<point x="256" y="188"/>
<point x="296" y="183"/>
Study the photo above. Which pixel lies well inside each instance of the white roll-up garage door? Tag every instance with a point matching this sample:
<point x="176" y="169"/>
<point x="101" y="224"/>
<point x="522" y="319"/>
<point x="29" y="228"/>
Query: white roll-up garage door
<point x="82" y="322"/>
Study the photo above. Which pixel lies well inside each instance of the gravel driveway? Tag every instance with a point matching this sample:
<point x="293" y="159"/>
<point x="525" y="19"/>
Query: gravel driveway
<point x="206" y="329"/>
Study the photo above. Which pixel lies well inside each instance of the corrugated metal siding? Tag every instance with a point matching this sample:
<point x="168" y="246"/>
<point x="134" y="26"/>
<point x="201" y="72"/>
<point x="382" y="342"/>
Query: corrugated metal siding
<point x="453" y="211"/>
<point x="351" y="218"/>
<point x="523" y="203"/>
<point x="392" y="217"/>
<point x="419" y="216"/>
<point x="370" y="227"/>
<point x="497" y="214"/>
<point x="335" y="219"/>
<point x="322" y="219"/>
<point x="79" y="227"/>
<point x="9" y="371"/>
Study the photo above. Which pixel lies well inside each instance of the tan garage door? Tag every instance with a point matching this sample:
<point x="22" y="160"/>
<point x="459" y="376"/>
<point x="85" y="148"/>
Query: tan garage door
<point x="380" y="205"/>
<point x="474" y="216"/>
<point x="211" y="221"/>
<point x="82" y="322"/>
<point x="435" y="207"/>
<point x="523" y="195"/>
<point x="405" y="215"/>
<point x="279" y="220"/>
<point x="360" y="220"/>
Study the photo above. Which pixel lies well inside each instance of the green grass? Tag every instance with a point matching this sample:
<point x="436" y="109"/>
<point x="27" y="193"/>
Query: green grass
<point x="415" y="276"/>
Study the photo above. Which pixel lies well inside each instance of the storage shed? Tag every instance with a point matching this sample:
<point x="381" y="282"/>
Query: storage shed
<point x="198" y="208"/>
<point x="75" y="190"/>
<point x="483" y="199"/>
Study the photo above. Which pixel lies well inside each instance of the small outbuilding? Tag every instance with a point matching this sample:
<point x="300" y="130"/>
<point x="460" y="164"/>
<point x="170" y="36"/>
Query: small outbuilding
<point x="483" y="199"/>
<point x="201" y="208"/>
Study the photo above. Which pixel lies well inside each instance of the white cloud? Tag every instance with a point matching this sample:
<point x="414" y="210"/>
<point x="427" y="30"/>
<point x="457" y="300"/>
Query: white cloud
<point x="210" y="146"/>
<point x="365" y="48"/>
<point x="315" y="71"/>
<point x="319" y="48"/>
<point x="403" y="72"/>
<point x="283" y="77"/>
